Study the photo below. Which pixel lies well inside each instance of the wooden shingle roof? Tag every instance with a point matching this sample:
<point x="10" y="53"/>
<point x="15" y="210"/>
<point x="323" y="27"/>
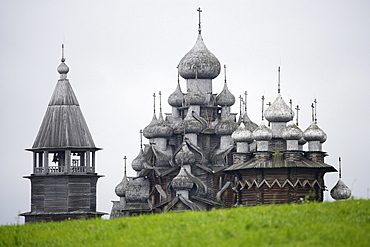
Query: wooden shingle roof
<point x="277" y="161"/>
<point x="64" y="125"/>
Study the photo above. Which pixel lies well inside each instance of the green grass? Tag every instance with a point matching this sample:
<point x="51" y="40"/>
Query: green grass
<point x="343" y="223"/>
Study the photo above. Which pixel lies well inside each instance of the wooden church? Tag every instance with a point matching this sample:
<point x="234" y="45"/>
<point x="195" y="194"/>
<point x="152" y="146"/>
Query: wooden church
<point x="202" y="156"/>
<point x="63" y="182"/>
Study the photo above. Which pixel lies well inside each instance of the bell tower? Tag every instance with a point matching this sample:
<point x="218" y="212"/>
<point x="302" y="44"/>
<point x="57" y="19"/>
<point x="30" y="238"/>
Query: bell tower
<point x="63" y="182"/>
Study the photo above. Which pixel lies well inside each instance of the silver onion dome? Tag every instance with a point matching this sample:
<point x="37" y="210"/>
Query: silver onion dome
<point x="225" y="98"/>
<point x="242" y="134"/>
<point x="148" y="131"/>
<point x="262" y="133"/>
<point x="314" y="133"/>
<point x="139" y="162"/>
<point x="249" y="124"/>
<point x="182" y="181"/>
<point x="185" y="156"/>
<point x="176" y="98"/>
<point x="279" y="111"/>
<point x="122" y="187"/>
<point x="199" y="62"/>
<point x="63" y="69"/>
<point x="340" y="191"/>
<point x="302" y="141"/>
<point x="292" y="132"/>
<point x="226" y="126"/>
<point x="161" y="128"/>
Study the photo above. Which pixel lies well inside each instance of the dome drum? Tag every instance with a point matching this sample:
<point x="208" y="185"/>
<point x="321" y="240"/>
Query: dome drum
<point x="292" y="145"/>
<point x="315" y="146"/>
<point x="277" y="129"/>
<point x="202" y="85"/>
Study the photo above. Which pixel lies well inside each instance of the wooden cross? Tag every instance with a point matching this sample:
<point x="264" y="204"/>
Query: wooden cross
<point x="199" y="26"/>
<point x="125" y="158"/>
<point x="297" y="108"/>
<point x="154" y="102"/>
<point x="263" y="104"/>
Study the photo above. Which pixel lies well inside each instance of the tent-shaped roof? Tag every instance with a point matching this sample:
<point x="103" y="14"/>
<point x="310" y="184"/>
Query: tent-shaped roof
<point x="64" y="125"/>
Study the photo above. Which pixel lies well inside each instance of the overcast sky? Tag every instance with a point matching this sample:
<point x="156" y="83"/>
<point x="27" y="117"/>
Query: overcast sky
<point x="121" y="52"/>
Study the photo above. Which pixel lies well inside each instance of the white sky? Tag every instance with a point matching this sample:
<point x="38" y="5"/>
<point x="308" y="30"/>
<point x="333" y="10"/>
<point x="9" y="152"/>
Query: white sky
<point x="121" y="52"/>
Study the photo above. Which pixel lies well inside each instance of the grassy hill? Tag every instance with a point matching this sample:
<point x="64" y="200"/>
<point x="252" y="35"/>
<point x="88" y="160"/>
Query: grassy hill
<point x="343" y="223"/>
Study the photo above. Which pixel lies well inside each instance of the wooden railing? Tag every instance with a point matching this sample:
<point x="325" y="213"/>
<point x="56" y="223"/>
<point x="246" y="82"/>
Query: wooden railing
<point x="62" y="169"/>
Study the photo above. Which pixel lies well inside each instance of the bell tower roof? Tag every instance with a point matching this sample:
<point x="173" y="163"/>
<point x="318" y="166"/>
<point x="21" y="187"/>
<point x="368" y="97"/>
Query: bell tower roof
<point x="64" y="125"/>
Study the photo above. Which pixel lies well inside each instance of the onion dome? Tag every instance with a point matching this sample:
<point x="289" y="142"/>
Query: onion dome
<point x="292" y="132"/>
<point x="122" y="187"/>
<point x="185" y="156"/>
<point x="262" y="133"/>
<point x="340" y="191"/>
<point x="195" y="97"/>
<point x="161" y="128"/>
<point x="279" y="111"/>
<point x="242" y="134"/>
<point x="182" y="181"/>
<point x="225" y="98"/>
<point x="148" y="131"/>
<point x="63" y="69"/>
<point x="176" y="98"/>
<point x="199" y="62"/>
<point x="190" y="124"/>
<point x="314" y="133"/>
<point x="249" y="124"/>
<point x="139" y="162"/>
<point x="302" y="141"/>
<point x="226" y="126"/>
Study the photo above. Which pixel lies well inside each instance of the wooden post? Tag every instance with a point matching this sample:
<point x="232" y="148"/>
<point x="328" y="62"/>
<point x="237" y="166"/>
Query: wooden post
<point x="40" y="159"/>
<point x="46" y="162"/>
<point x="93" y="162"/>
<point x="34" y="162"/>
<point x="67" y="161"/>
<point x="88" y="161"/>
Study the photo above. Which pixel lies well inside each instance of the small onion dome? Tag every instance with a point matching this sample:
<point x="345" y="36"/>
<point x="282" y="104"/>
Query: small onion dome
<point x="161" y="128"/>
<point x="190" y="124"/>
<point x="139" y="162"/>
<point x="242" y="134"/>
<point x="148" y="130"/>
<point x="249" y="124"/>
<point x="182" y="181"/>
<point x="176" y="98"/>
<point x="195" y="97"/>
<point x="122" y="187"/>
<point x="225" y="98"/>
<point x="185" y="156"/>
<point x="314" y="133"/>
<point x="226" y="126"/>
<point x="340" y="191"/>
<point x="292" y="132"/>
<point x="262" y="133"/>
<point x="279" y="111"/>
<point x="63" y="69"/>
<point x="199" y="63"/>
<point x="302" y="141"/>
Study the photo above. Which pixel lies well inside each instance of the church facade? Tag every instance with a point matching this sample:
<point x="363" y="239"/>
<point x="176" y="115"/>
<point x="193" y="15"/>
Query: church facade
<point x="202" y="156"/>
